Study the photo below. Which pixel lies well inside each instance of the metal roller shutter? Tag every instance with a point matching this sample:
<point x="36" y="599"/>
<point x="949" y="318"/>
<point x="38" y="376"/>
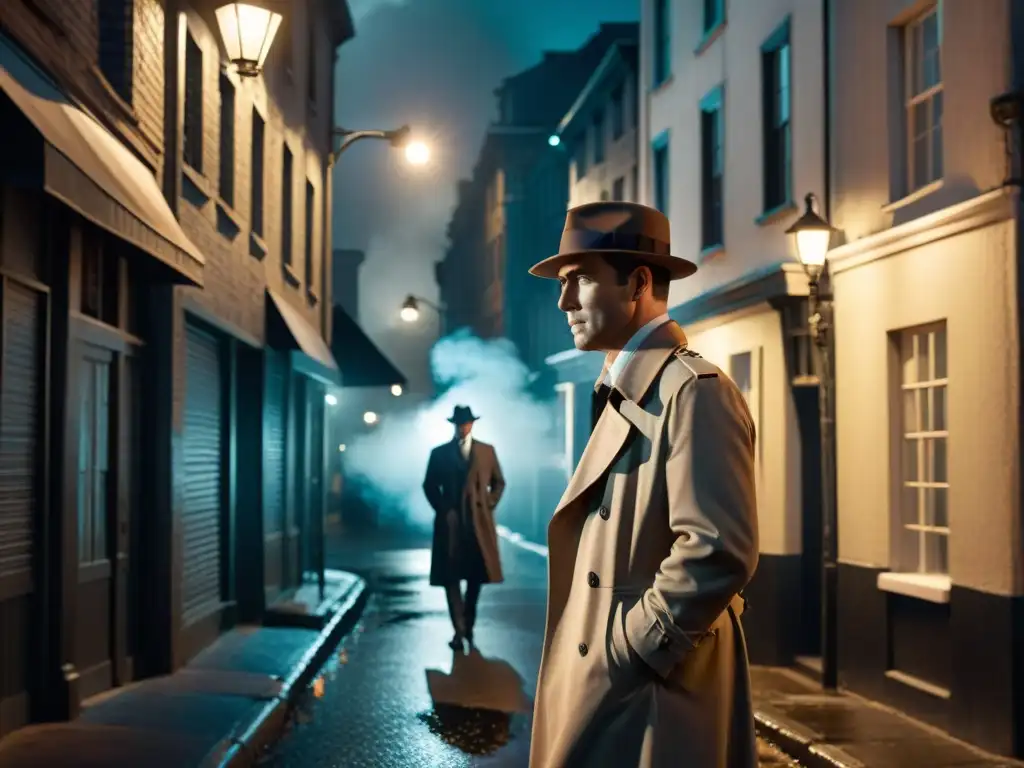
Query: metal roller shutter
<point x="201" y="519"/>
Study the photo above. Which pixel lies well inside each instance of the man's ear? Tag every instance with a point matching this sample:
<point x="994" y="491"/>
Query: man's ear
<point x="644" y="280"/>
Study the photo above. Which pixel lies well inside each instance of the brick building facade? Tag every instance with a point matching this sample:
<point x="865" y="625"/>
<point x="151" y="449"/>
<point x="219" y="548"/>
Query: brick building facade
<point x="155" y="259"/>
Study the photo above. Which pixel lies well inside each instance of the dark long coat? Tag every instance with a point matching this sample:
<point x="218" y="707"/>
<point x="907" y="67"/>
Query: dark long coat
<point x="464" y="494"/>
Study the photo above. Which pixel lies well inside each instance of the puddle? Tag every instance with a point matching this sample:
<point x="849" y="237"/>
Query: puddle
<point x="476" y="732"/>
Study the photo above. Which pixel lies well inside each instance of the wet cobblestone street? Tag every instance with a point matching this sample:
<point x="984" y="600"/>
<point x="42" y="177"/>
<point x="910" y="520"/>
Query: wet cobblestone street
<point x="395" y="696"/>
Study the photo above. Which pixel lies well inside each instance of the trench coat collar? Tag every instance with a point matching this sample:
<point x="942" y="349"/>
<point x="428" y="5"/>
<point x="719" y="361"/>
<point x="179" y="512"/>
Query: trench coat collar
<point x="646" y="362"/>
<point x="612" y="428"/>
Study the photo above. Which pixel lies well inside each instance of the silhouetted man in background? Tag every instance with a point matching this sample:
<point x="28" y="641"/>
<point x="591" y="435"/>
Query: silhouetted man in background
<point x="463" y="485"/>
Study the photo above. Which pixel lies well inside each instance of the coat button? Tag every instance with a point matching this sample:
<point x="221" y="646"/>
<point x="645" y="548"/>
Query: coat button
<point x="665" y="642"/>
<point x="592" y="579"/>
<point x="583" y="649"/>
<point x="604" y="512"/>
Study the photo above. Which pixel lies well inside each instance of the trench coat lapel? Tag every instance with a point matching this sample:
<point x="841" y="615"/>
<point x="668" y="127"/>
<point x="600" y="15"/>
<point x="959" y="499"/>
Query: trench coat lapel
<point x="612" y="428"/>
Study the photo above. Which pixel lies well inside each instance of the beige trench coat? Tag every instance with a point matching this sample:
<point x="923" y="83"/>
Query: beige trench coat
<point x="644" y="661"/>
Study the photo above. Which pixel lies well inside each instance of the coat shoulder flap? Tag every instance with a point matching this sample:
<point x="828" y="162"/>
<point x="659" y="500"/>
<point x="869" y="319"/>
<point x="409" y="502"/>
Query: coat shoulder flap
<point x="684" y="366"/>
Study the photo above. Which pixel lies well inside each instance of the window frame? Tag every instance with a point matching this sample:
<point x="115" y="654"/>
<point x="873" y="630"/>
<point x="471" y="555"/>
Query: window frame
<point x="661" y="171"/>
<point x="712" y="110"/>
<point x="776" y="131"/>
<point x="661" y="60"/>
<point x="226" y="140"/>
<point x="930" y="96"/>
<point x="257" y="183"/>
<point x="192" y="105"/>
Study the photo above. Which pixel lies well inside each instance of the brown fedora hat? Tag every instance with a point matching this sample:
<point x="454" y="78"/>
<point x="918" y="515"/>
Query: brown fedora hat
<point x="616" y="228"/>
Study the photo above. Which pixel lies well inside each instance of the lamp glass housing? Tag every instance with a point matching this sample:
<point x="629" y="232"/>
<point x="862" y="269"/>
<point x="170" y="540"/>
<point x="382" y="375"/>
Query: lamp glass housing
<point x="248" y="32"/>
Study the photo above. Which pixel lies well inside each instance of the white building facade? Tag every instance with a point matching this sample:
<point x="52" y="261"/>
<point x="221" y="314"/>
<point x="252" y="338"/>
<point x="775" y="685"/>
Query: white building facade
<point x="927" y="337"/>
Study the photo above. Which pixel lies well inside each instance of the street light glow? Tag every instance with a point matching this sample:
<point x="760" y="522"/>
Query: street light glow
<point x="410" y="312"/>
<point x="396" y="390"/>
<point x="370" y="417"/>
<point x="417" y="153"/>
<point x="341" y="448"/>
<point x="813" y="235"/>
<point x="248" y="32"/>
<point x="330" y="399"/>
<point x="554" y="140"/>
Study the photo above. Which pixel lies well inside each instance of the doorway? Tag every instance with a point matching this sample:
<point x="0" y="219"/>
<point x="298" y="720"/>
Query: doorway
<point x="808" y="639"/>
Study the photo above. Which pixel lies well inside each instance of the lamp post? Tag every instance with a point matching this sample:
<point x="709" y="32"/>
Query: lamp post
<point x="410" y="311"/>
<point x="416" y="152"/>
<point x="813" y="234"/>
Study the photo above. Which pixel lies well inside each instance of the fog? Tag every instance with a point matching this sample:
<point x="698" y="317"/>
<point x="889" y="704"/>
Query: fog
<point x="389" y="461"/>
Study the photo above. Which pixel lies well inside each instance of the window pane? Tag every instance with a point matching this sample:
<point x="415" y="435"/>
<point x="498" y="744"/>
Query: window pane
<point x="936" y="508"/>
<point x="910" y="473"/>
<point x="923" y="409"/>
<point x="940" y="353"/>
<point x="910" y="422"/>
<point x="939" y="409"/>
<point x="936" y="553"/>
<point x="938" y="460"/>
<point x="909" y="505"/>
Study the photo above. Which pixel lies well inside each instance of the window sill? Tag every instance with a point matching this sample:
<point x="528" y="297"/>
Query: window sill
<point x="913" y="197"/>
<point x="933" y="587"/>
<point x="195" y="187"/>
<point x="773" y="215"/>
<point x="709" y="38"/>
<point x="257" y="246"/>
<point x="229" y="223"/>
<point x="124" y="106"/>
<point x="710" y="252"/>
<point x="289" y="276"/>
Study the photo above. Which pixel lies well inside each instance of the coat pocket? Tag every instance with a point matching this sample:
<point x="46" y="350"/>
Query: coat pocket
<point x="625" y="668"/>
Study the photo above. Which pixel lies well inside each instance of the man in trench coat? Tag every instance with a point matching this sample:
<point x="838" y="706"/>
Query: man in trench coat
<point x="464" y="484"/>
<point x="644" y="660"/>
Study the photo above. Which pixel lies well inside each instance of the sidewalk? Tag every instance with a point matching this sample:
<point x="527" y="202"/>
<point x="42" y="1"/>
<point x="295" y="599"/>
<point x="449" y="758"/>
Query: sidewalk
<point x="842" y="730"/>
<point x="222" y="709"/>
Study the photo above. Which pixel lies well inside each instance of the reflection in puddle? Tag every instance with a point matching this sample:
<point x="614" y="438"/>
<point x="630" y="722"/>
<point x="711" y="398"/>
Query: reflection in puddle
<point x="474" y="731"/>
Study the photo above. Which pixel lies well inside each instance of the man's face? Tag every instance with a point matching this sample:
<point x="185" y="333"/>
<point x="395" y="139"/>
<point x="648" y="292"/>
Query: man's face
<point x="463" y="430"/>
<point x="597" y="307"/>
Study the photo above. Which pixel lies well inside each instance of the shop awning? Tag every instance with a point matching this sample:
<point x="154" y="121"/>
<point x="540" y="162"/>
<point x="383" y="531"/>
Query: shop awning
<point x="92" y="172"/>
<point x="304" y="337"/>
<point x="361" y="363"/>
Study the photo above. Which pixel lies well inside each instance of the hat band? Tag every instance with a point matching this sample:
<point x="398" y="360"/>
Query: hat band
<point x="593" y="240"/>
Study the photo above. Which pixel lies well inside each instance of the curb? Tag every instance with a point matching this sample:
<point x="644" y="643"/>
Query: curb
<point x="267" y="727"/>
<point x="799" y="742"/>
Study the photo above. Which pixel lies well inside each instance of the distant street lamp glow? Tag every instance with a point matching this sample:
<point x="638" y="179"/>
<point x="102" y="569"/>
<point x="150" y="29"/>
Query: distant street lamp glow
<point x="417" y="153"/>
<point x="330" y="399"/>
<point x="410" y="312"/>
<point x="248" y="32"/>
<point x="396" y="390"/>
<point x="370" y="417"/>
<point x="341" y="448"/>
<point x="554" y="140"/>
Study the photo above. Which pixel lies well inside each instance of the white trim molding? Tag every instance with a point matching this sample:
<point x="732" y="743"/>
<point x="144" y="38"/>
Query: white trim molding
<point x="933" y="587"/>
<point x="979" y="211"/>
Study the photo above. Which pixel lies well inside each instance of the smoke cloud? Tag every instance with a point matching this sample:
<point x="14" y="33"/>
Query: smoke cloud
<point x="390" y="461"/>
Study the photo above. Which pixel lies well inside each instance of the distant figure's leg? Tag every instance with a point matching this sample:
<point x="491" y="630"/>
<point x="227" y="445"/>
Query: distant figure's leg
<point x="472" y="597"/>
<point x="456" y="609"/>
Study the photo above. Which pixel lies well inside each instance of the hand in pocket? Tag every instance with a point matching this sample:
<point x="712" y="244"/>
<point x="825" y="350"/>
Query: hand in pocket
<point x="625" y="663"/>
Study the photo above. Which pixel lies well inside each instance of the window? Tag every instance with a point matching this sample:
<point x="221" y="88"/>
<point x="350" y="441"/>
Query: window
<point x="227" y="141"/>
<point x="258" y="131"/>
<point x="619" y="188"/>
<point x="712" y="150"/>
<point x="580" y="156"/>
<point x="618" y="113"/>
<point x="924" y="483"/>
<point x="635" y="185"/>
<point x="287" y="193"/>
<point x="775" y="85"/>
<point x="662" y="41"/>
<point x="193" y="117"/>
<point x="922" y="57"/>
<point x="714" y="15"/>
<point x="311" y="61"/>
<point x="604" y="195"/>
<point x="116" y="44"/>
<point x="310" y="210"/>
<point x="660" y="163"/>
<point x="599" y="137"/>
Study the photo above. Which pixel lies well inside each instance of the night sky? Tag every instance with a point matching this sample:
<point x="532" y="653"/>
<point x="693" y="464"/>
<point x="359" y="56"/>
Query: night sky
<point x="433" y="64"/>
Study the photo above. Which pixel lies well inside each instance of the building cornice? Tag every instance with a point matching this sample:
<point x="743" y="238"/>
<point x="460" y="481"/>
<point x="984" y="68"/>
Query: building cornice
<point x="979" y="211"/>
<point x="613" y="64"/>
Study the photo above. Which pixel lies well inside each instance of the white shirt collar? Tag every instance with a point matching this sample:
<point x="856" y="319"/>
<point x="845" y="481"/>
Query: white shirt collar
<point x="636" y="341"/>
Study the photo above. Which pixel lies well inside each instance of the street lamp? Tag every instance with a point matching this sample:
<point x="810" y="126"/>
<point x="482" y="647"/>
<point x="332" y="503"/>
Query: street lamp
<point x="813" y="235"/>
<point x="416" y="152"/>
<point x="330" y="399"/>
<point x="370" y="418"/>
<point x="410" y="311"/>
<point x="247" y="30"/>
<point x="396" y="390"/>
<point x="554" y="140"/>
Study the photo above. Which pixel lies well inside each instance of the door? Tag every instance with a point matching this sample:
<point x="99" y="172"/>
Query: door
<point x="808" y="641"/>
<point x="22" y="393"/>
<point x="201" y="592"/>
<point x="274" y="464"/>
<point x="311" y="525"/>
<point x="96" y="501"/>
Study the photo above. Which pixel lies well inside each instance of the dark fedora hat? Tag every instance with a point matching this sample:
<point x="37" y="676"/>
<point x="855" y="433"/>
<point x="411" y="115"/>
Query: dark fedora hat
<point x="616" y="228"/>
<point x="462" y="415"/>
